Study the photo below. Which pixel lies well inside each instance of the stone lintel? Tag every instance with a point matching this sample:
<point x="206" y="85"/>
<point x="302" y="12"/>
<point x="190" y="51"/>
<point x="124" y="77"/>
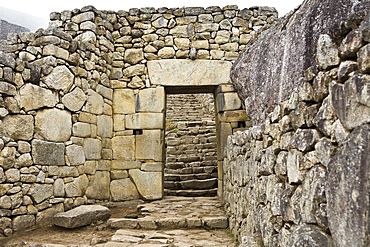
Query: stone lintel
<point x="184" y="72"/>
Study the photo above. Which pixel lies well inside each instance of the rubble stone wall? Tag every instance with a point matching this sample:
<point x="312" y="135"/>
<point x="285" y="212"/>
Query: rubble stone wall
<point x="302" y="177"/>
<point x="82" y="102"/>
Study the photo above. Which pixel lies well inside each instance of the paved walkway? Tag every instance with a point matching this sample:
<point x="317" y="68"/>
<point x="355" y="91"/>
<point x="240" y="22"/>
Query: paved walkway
<point x="174" y="221"/>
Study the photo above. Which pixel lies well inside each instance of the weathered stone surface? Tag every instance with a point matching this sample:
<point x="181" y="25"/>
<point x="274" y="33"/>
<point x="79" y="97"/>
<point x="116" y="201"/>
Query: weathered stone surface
<point x="228" y="102"/>
<point x="75" y="99"/>
<point x="75" y="155"/>
<point x="123" y="101"/>
<point x="188" y="73"/>
<point x="19" y="127"/>
<point x="54" y="124"/>
<point x="133" y="56"/>
<point x="269" y="71"/>
<point x="348" y="202"/>
<point x="307" y="235"/>
<point x="151" y="100"/>
<point x="48" y="153"/>
<point x="123" y="189"/>
<point x="33" y="97"/>
<point x="351" y="101"/>
<point x="92" y="148"/>
<point x="94" y="103"/>
<point x="123" y="147"/>
<point x="61" y="78"/>
<point x="149" y="145"/>
<point x="149" y="184"/>
<point x="144" y="120"/>
<point x="99" y="186"/>
<point x="327" y="55"/>
<point x="23" y="222"/>
<point x="77" y="187"/>
<point x="82" y="216"/>
<point x="105" y="126"/>
<point x="305" y="139"/>
<point x="41" y="192"/>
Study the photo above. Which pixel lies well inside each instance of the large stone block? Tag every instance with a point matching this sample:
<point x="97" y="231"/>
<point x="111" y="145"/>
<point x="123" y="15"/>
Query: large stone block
<point x="75" y="99"/>
<point x="123" y="147"/>
<point x="347" y="190"/>
<point x="81" y="129"/>
<point x="149" y="145"/>
<point x="124" y="101"/>
<point x="123" y="190"/>
<point x="351" y="101"/>
<point x="23" y="222"/>
<point x="92" y="148"/>
<point x="77" y="187"/>
<point x="118" y="122"/>
<point x="105" y="126"/>
<point x="19" y="127"/>
<point x="151" y="100"/>
<point x="54" y="124"/>
<point x="94" y="103"/>
<point x="99" y="186"/>
<point x="144" y="120"/>
<point x="75" y="155"/>
<point x="47" y="153"/>
<point x="125" y="164"/>
<point x="41" y="192"/>
<point x="149" y="184"/>
<point x="33" y="97"/>
<point x="228" y="102"/>
<point x="181" y="72"/>
<point x="82" y="216"/>
<point x="61" y="78"/>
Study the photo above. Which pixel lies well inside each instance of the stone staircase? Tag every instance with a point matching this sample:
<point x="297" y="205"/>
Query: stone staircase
<point x="191" y="156"/>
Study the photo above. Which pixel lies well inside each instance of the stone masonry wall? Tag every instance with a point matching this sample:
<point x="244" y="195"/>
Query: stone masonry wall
<point x="191" y="148"/>
<point x="82" y="111"/>
<point x="302" y="178"/>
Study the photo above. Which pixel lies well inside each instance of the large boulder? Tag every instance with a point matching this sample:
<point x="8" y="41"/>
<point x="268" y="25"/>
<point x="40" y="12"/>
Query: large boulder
<point x="271" y="68"/>
<point x="82" y="216"/>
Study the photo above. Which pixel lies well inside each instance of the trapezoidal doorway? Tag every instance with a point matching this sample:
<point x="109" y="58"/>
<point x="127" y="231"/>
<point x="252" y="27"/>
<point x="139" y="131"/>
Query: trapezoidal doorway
<point x="196" y="77"/>
<point x="191" y="146"/>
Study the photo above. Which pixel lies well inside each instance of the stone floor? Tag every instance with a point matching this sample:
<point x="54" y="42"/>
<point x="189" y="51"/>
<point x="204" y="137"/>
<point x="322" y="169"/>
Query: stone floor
<point x="173" y="221"/>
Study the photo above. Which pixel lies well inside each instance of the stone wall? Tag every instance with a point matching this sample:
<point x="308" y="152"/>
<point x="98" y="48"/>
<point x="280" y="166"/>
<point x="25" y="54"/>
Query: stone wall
<point x="302" y="177"/>
<point x="82" y="102"/>
<point x="191" y="148"/>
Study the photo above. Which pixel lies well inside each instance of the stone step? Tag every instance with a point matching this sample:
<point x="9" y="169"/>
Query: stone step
<point x="183" y="177"/>
<point x="191" y="193"/>
<point x="152" y="223"/>
<point x="194" y="184"/>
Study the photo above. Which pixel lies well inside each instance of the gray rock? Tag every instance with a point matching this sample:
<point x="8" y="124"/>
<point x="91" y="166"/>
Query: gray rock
<point x="351" y="101"/>
<point x="269" y="70"/>
<point x="347" y="190"/>
<point x="82" y="216"/>
<point x="309" y="235"/>
<point x="305" y="139"/>
<point x="48" y="153"/>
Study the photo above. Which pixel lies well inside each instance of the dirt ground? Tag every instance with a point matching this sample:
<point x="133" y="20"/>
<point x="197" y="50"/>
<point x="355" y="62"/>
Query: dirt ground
<point x="47" y="233"/>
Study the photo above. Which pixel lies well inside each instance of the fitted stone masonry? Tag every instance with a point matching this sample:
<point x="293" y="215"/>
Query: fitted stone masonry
<point x="82" y="106"/>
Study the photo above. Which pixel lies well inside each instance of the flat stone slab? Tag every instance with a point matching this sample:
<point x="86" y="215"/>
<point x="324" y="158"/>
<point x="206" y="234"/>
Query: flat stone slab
<point x="82" y="216"/>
